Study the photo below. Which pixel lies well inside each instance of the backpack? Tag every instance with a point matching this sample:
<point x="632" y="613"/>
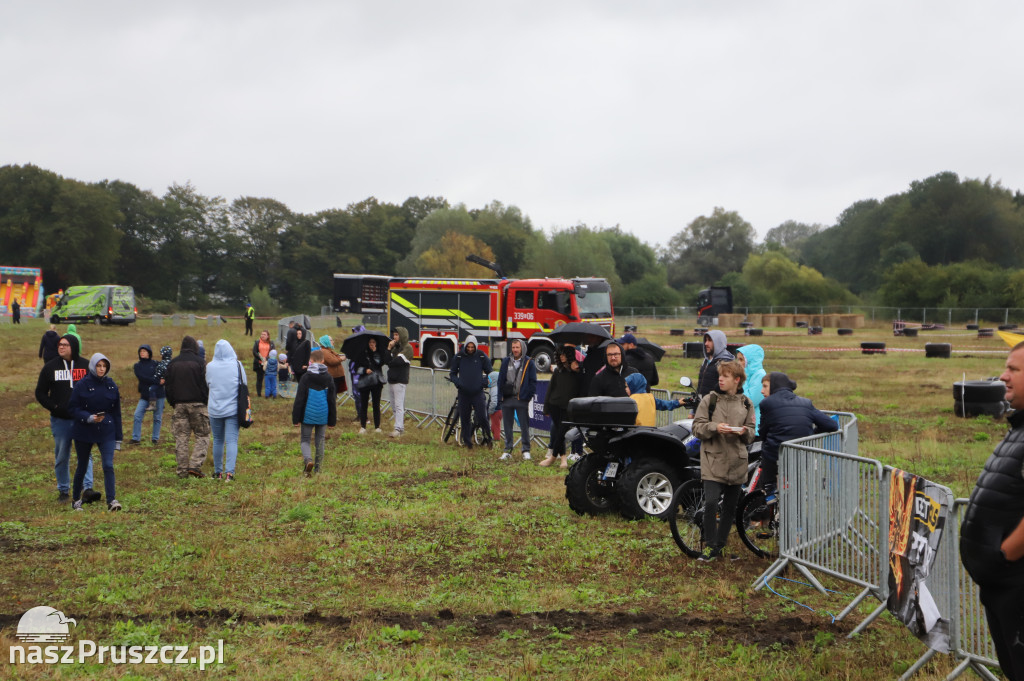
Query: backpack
<point x="713" y="402"/>
<point x="316" y="408"/>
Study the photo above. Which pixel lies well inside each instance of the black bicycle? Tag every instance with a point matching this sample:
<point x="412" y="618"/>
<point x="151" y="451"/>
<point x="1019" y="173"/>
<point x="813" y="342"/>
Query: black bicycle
<point x="452" y="426"/>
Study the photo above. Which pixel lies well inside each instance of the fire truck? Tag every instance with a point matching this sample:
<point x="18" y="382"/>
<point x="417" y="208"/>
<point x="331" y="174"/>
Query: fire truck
<point x="441" y="313"/>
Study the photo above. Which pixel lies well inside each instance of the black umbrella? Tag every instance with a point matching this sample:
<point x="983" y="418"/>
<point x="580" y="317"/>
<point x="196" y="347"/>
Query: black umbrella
<point x="355" y="346"/>
<point x="580" y="333"/>
<point x="655" y="350"/>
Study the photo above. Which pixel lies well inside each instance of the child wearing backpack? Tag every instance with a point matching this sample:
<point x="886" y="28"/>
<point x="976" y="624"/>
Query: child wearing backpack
<point x="314" y="408"/>
<point x="270" y="374"/>
<point x="724" y="422"/>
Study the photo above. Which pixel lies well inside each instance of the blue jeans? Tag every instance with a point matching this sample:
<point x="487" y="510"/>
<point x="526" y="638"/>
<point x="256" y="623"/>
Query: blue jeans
<point x="225" y="443"/>
<point x="158" y="418"/>
<point x="84" y="450"/>
<point x="61" y="429"/>
<point x="271" y="382"/>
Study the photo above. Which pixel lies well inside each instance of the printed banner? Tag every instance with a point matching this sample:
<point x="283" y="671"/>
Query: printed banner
<point x="917" y="517"/>
<point x="538" y="420"/>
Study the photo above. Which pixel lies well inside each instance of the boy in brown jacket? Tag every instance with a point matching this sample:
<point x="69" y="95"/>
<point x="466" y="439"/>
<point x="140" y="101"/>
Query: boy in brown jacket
<point x="724" y="422"/>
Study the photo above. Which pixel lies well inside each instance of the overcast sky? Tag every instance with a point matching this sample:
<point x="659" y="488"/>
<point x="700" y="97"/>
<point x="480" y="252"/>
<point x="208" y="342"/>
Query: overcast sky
<point x="641" y="114"/>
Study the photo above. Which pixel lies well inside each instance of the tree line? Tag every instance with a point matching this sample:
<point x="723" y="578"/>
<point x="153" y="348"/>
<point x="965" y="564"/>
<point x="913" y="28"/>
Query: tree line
<point x="945" y="241"/>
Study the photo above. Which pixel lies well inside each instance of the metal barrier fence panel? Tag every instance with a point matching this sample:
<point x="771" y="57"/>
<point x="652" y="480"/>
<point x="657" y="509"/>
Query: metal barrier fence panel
<point x="973" y="642"/>
<point x="158" y="320"/>
<point x="419" y="395"/>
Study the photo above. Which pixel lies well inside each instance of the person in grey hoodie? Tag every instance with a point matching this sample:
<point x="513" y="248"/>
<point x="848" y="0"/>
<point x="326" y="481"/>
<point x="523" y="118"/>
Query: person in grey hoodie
<point x="223" y="376"/>
<point x="715" y="352"/>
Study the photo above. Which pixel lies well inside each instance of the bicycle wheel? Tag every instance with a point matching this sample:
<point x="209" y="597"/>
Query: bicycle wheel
<point x="757" y="523"/>
<point x="686" y="517"/>
<point x="451" y="423"/>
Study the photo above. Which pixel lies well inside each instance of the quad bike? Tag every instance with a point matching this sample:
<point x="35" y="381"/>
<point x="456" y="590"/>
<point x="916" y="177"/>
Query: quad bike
<point x="632" y="469"/>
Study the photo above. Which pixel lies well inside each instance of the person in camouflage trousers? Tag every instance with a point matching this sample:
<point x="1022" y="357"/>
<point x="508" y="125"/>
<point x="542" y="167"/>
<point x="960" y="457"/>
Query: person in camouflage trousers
<point x="187" y="391"/>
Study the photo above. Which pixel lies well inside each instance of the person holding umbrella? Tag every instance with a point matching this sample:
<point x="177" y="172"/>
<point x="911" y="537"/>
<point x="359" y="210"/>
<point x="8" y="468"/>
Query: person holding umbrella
<point x="366" y="350"/>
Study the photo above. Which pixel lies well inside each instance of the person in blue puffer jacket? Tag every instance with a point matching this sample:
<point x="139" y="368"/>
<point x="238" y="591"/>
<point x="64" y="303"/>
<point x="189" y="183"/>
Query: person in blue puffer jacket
<point x="95" y="406"/>
<point x="223" y="376"/>
<point x="752" y="358"/>
<point x="315" y="406"/>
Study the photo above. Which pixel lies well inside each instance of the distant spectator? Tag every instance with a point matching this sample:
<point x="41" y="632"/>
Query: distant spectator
<point x="517" y="385"/>
<point x="370" y="363"/>
<point x="335" y="363"/>
<point x="223" y="376"/>
<point x="715" y="351"/>
<point x="752" y="358"/>
<point x="636" y="357"/>
<point x="271" y="377"/>
<point x="53" y="390"/>
<point x="400" y="358"/>
<point x="298" y="356"/>
<point x="610" y="380"/>
<point x="261" y="348"/>
<point x="187" y="391"/>
<point x="566" y="383"/>
<point x="647" y="404"/>
<point x="784" y="417"/>
<point x="96" y="407"/>
<point x="469" y="369"/>
<point x="151" y="395"/>
<point x="16" y="311"/>
<point x="250" y="316"/>
<point x="48" y="344"/>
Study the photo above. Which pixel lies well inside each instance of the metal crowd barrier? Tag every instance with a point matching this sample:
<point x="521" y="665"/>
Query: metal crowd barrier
<point x="834" y="510"/>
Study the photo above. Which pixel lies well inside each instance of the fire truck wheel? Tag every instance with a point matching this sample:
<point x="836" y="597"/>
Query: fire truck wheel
<point x="438" y="355"/>
<point x="543" y="358"/>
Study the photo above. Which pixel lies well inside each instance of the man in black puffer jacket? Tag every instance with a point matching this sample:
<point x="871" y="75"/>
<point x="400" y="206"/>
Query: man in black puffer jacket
<point x="992" y="534"/>
<point x="469" y="374"/>
<point x="784" y="417"/>
<point x="187" y="391"/>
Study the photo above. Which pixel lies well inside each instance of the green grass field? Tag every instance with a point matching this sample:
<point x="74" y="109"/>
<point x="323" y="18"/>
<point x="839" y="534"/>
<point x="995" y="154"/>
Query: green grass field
<point x="414" y="560"/>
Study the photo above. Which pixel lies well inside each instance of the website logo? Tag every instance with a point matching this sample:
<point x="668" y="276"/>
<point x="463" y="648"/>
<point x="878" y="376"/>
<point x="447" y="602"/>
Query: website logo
<point x="44" y="624"/>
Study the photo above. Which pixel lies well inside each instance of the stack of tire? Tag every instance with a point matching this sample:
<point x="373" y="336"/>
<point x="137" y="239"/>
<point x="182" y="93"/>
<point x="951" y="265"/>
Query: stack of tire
<point x="979" y="398"/>
<point x="938" y="349"/>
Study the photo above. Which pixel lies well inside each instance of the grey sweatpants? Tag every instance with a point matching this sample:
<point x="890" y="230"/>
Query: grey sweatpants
<point x="308" y="431"/>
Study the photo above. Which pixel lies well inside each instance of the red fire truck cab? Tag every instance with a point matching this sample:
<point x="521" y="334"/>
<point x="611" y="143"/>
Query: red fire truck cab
<point x="440" y="313"/>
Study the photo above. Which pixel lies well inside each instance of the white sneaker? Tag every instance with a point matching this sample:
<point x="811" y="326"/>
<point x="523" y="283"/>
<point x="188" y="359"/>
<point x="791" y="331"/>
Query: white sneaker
<point x="505" y="457"/>
<point x="394" y="433"/>
<point x="77" y="506"/>
<point x="377" y="430"/>
<point x="114" y="505"/>
<point x="526" y="456"/>
<point x="362" y="431"/>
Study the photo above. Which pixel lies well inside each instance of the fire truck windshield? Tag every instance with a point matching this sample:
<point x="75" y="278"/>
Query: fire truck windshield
<point x="595" y="305"/>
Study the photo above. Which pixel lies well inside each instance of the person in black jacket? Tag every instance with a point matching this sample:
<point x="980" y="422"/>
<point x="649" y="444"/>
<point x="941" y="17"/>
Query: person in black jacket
<point x="53" y="390"/>
<point x="565" y="384"/>
<point x="187" y="391"/>
<point x="469" y="374"/>
<point x="400" y="361"/>
<point x="48" y="344"/>
<point x="315" y="406"/>
<point x="298" y="354"/>
<point x="151" y="394"/>
<point x="636" y="357"/>
<point x="371" y="362"/>
<point x="992" y="534"/>
<point x="95" y="405"/>
<point x="784" y="417"/>
<point x="610" y="380"/>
